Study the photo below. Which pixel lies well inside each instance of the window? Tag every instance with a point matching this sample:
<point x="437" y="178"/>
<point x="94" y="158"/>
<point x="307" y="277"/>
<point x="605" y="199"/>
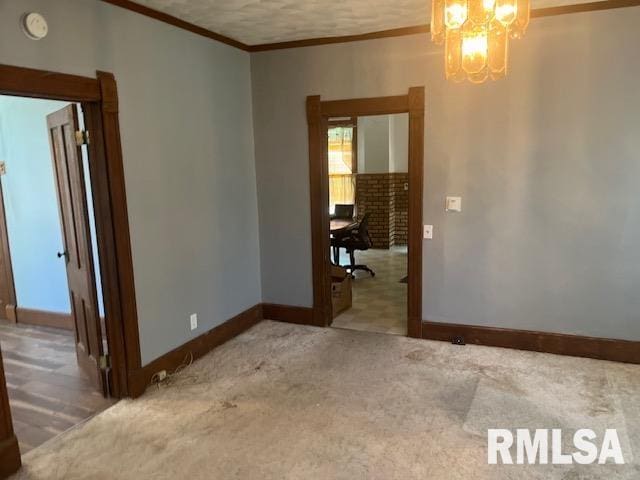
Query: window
<point x="342" y="165"/>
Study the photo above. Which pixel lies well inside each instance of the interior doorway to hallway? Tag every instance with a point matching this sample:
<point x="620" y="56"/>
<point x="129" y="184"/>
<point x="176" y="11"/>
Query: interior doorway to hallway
<point x="98" y="97"/>
<point x="52" y="330"/>
<point x="368" y="206"/>
<point x="320" y="117"/>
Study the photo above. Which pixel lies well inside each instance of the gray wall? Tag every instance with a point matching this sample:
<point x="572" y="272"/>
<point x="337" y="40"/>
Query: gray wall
<point x="373" y="144"/>
<point x="186" y="124"/>
<point x="546" y="162"/>
<point x="399" y="143"/>
<point x="383" y="143"/>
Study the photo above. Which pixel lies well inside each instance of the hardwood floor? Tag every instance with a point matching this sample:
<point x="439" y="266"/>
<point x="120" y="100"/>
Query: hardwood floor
<point x="48" y="394"/>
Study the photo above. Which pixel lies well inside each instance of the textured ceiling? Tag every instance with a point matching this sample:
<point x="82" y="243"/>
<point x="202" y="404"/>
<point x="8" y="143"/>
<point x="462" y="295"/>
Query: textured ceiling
<point x="265" y="21"/>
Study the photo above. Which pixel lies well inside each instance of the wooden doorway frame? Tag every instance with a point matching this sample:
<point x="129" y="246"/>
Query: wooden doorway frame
<point x="99" y="99"/>
<point x="318" y="114"/>
<point x="6" y="269"/>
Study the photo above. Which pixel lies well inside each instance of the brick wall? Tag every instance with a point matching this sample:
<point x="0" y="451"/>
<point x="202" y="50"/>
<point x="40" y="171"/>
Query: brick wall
<point x="372" y="196"/>
<point x="400" y="214"/>
<point x="383" y="195"/>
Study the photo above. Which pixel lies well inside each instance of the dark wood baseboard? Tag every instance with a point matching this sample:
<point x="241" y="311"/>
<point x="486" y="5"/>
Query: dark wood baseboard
<point x="44" y="318"/>
<point x="290" y="314"/>
<point x="9" y="457"/>
<point x="560" y="344"/>
<point x="10" y="313"/>
<point x="140" y="379"/>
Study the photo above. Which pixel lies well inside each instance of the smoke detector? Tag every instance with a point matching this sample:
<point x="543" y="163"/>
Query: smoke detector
<point x="34" y="26"/>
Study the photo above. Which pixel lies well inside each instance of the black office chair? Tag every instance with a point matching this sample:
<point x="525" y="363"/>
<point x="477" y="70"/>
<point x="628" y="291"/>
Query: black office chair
<point x="358" y="239"/>
<point x="343" y="211"/>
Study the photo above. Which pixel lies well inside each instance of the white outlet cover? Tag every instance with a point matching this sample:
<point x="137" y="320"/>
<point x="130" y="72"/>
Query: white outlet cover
<point x="454" y="204"/>
<point x="428" y="232"/>
<point x="194" y="321"/>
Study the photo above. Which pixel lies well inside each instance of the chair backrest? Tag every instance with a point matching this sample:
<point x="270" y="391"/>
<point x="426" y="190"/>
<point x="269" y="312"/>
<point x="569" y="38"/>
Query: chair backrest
<point x="343" y="211"/>
<point x="363" y="230"/>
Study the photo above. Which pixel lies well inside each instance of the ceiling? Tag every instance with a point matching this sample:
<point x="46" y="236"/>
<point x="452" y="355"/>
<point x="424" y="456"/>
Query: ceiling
<point x="255" y="22"/>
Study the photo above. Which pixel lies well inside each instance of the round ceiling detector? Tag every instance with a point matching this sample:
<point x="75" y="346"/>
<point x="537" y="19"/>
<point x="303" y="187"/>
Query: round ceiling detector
<point x="34" y="26"/>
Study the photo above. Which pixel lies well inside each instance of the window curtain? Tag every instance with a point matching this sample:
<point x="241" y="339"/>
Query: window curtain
<point x="342" y="190"/>
<point x="342" y="180"/>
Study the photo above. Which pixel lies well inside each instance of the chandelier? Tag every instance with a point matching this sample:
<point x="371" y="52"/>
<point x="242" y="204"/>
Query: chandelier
<point x="476" y="35"/>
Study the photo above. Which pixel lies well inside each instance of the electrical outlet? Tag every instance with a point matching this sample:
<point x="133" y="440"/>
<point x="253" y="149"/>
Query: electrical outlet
<point x="428" y="232"/>
<point x="453" y="204"/>
<point x="194" y="321"/>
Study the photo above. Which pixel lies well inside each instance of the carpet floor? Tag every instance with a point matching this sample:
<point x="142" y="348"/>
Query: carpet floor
<point x="293" y="402"/>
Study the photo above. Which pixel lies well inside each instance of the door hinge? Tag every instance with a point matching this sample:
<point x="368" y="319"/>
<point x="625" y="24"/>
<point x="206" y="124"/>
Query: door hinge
<point x="105" y="362"/>
<point x="82" y="137"/>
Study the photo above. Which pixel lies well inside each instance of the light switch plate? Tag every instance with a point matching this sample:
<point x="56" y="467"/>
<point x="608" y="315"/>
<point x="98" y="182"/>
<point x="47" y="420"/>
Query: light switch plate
<point x="453" y="204"/>
<point x="194" y="321"/>
<point x="428" y="232"/>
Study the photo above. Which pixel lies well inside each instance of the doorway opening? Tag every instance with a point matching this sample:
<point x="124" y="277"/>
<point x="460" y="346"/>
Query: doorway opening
<point x="368" y="162"/>
<point x="52" y="330"/>
<point x="104" y="343"/>
<point x="334" y="128"/>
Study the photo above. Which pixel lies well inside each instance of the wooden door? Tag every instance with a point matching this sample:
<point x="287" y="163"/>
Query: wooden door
<point x="77" y="254"/>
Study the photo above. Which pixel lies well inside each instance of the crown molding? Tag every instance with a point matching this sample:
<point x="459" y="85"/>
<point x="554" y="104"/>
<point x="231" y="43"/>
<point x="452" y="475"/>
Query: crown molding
<point x="421" y="29"/>
<point x="583" y="7"/>
<point x="176" y="22"/>
<point x="309" y="42"/>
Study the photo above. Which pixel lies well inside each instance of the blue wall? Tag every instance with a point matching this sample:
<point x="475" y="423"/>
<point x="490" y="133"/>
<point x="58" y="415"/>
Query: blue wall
<point x="31" y="204"/>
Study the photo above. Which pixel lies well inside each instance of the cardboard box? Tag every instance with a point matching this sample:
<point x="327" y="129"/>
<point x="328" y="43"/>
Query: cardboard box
<point x="340" y="290"/>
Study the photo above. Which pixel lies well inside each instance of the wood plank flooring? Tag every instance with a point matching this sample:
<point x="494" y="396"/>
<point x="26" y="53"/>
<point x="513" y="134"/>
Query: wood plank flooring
<point x="48" y="394"/>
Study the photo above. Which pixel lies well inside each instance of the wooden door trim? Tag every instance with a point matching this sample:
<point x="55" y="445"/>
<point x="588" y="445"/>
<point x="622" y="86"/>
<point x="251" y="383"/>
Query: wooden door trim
<point x="99" y="98"/>
<point x="10" y="460"/>
<point x="27" y="82"/>
<point x="118" y="223"/>
<point x="318" y="114"/>
<point x="362" y="107"/>
<point x="5" y="252"/>
<point x="319" y="200"/>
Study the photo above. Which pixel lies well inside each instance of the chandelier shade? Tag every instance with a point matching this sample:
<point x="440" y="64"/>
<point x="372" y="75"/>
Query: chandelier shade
<point x="476" y="35"/>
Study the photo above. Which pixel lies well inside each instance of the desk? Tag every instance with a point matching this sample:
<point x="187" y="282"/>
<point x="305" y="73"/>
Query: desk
<point x="337" y="225"/>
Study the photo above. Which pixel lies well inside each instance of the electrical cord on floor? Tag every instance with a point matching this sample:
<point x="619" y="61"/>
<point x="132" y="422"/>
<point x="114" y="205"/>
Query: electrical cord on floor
<point x="171" y="378"/>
